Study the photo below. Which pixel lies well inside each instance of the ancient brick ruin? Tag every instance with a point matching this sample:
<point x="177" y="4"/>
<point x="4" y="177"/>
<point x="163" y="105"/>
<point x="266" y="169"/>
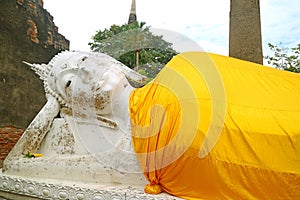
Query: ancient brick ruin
<point x="245" y="41"/>
<point x="27" y="33"/>
<point x="9" y="136"/>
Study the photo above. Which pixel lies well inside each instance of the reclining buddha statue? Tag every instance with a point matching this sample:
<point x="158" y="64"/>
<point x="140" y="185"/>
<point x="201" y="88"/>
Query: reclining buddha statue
<point x="207" y="127"/>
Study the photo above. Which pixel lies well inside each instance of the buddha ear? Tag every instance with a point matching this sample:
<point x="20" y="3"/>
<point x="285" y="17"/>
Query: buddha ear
<point x="133" y="77"/>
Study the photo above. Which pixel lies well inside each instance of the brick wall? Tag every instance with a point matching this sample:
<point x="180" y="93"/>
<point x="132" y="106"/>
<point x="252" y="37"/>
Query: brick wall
<point x="27" y="33"/>
<point x="9" y="135"/>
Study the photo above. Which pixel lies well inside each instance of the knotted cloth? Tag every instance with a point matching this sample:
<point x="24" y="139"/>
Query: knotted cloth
<point x="215" y="127"/>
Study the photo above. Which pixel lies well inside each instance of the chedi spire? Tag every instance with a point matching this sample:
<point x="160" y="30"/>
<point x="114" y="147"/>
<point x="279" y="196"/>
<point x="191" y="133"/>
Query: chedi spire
<point x="132" y="15"/>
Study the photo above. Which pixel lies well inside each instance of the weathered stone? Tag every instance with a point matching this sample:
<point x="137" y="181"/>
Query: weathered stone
<point x="9" y="136"/>
<point x="72" y="128"/>
<point x="132" y="16"/>
<point x="245" y="40"/>
<point x="27" y="33"/>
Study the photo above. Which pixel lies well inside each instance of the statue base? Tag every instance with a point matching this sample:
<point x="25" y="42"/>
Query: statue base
<point x="18" y="188"/>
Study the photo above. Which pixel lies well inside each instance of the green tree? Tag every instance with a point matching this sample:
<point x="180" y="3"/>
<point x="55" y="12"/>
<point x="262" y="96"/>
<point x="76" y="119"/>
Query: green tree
<point x="134" y="45"/>
<point x="285" y="58"/>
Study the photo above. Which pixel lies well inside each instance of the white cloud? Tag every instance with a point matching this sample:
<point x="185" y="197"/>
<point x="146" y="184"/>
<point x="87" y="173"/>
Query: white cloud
<point x="280" y="23"/>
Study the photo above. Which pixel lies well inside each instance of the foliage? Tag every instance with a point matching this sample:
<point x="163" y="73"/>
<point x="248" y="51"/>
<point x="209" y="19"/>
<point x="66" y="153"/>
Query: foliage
<point x="133" y="44"/>
<point x="285" y="58"/>
<point x="150" y="69"/>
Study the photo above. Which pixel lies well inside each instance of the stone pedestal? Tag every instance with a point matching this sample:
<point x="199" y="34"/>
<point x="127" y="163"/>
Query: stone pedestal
<point x="19" y="188"/>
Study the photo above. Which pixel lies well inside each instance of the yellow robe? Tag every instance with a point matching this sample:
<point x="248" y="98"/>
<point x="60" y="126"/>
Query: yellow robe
<point x="215" y="127"/>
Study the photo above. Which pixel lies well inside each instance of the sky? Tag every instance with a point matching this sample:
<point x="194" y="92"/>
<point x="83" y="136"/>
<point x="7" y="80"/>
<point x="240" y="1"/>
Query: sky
<point x="206" y="23"/>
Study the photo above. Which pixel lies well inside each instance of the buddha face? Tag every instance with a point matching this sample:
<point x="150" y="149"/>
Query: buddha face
<point x="85" y="82"/>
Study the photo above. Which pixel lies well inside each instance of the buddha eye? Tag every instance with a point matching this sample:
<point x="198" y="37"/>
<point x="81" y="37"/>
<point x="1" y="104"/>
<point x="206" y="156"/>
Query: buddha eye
<point x="84" y="58"/>
<point x="68" y="83"/>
